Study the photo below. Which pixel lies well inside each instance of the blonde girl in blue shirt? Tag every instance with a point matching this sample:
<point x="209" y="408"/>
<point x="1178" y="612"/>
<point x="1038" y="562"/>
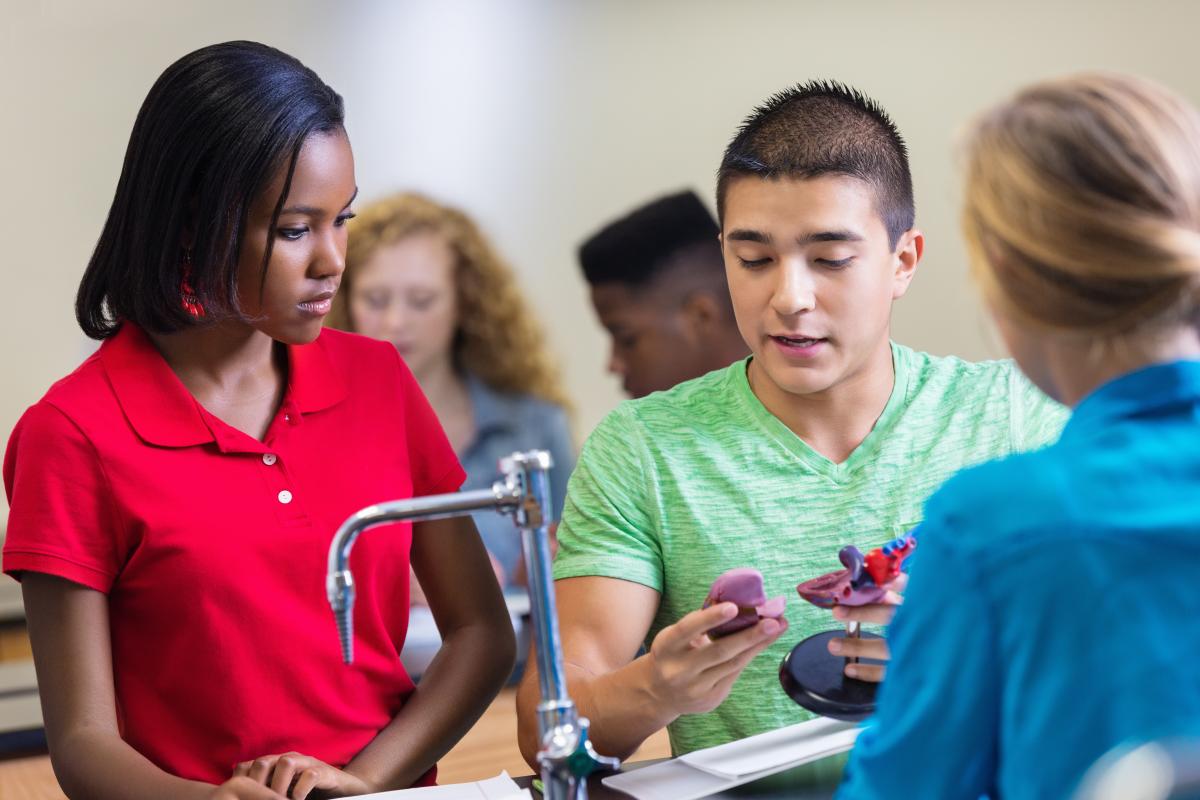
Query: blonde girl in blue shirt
<point x="1050" y="615"/>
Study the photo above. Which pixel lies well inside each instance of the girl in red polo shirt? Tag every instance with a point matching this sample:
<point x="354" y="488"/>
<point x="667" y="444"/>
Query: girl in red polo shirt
<point x="173" y="499"/>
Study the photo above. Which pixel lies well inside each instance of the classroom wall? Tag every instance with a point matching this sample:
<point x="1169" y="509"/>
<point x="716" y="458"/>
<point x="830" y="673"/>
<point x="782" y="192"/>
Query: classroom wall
<point x="544" y="119"/>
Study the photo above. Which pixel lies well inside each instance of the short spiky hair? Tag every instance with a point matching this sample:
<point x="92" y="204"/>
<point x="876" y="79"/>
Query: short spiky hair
<point x="636" y="248"/>
<point x="824" y="128"/>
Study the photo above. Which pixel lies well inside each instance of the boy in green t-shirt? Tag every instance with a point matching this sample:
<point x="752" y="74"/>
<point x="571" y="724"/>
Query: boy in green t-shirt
<point x="828" y="435"/>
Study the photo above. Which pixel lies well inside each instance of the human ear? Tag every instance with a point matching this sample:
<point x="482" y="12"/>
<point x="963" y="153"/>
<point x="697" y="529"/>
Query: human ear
<point x="909" y="251"/>
<point x="187" y="231"/>
<point x="700" y="313"/>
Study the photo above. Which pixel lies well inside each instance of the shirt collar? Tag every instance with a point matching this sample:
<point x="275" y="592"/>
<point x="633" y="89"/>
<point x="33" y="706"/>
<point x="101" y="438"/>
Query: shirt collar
<point x="163" y="412"/>
<point x="1150" y="388"/>
<point x="491" y="409"/>
<point x="314" y="383"/>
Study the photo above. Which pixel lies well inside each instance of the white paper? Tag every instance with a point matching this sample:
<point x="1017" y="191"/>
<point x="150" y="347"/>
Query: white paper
<point x="707" y="772"/>
<point x="500" y="787"/>
<point x="807" y="741"/>
<point x="670" y="780"/>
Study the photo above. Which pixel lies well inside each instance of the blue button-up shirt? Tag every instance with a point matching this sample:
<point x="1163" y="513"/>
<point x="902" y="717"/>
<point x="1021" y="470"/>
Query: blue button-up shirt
<point x="1053" y="611"/>
<point x="504" y="424"/>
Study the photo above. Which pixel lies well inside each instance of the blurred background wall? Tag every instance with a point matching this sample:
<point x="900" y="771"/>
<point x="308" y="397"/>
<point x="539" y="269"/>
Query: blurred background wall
<point x="543" y="119"/>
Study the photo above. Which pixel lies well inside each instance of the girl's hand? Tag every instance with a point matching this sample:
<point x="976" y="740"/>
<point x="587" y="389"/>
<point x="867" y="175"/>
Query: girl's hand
<point x="295" y="775"/>
<point x="242" y="788"/>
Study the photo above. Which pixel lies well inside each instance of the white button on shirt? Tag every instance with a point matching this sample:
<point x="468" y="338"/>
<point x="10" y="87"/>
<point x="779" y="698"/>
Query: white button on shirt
<point x="285" y="497"/>
<point x="269" y="458"/>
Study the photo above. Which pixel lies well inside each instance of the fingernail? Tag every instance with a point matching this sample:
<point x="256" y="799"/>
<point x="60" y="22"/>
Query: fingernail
<point x="852" y="671"/>
<point x="770" y="627"/>
<point x="729" y="610"/>
<point x="835" y="647"/>
<point x="839" y="612"/>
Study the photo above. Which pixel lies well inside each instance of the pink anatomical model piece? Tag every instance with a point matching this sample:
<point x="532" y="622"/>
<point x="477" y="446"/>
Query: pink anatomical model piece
<point x="811" y="675"/>
<point x="744" y="588"/>
<point x="865" y="579"/>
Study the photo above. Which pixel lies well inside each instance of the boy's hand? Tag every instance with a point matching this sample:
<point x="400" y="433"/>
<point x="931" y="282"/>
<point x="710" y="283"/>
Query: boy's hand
<point x="880" y="613"/>
<point x="691" y="674"/>
<point x="295" y="776"/>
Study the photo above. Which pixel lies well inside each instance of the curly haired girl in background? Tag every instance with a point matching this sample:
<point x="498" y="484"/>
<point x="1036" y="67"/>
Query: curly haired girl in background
<point x="422" y="276"/>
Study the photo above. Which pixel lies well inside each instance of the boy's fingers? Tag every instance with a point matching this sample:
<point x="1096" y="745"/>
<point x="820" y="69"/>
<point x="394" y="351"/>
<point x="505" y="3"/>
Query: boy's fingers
<point x="733" y="652"/>
<point x="871" y="673"/>
<point x="860" y="648"/>
<point x="723" y="686"/>
<point x="697" y="624"/>
<point x="874" y="614"/>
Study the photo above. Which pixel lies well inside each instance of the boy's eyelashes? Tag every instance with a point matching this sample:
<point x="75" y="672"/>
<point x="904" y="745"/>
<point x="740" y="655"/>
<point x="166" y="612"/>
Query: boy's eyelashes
<point x="838" y="263"/>
<point x="627" y="341"/>
<point x="829" y="263"/>
<point x="623" y="338"/>
<point x="752" y="263"/>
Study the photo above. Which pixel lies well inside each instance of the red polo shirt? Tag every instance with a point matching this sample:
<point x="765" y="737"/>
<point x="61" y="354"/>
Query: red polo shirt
<point x="211" y="545"/>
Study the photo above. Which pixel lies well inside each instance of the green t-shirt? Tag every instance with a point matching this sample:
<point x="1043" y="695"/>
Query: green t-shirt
<point x="673" y="489"/>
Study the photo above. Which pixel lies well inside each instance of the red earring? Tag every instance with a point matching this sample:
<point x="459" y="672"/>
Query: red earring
<point x="191" y="303"/>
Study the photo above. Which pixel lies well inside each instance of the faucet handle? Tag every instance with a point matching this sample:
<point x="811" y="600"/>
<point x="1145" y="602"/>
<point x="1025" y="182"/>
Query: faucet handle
<point x="527" y="474"/>
<point x="568" y="755"/>
<point x="530" y="460"/>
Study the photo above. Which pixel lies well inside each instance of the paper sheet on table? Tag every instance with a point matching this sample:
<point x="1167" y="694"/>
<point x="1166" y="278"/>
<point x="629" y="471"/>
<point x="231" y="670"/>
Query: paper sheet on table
<point x="706" y="772"/>
<point x="797" y="743"/>
<point x="500" y="787"/>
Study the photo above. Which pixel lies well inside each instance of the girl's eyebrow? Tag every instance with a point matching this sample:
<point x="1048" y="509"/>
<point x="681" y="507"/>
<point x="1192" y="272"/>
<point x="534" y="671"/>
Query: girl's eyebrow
<point x="313" y="211"/>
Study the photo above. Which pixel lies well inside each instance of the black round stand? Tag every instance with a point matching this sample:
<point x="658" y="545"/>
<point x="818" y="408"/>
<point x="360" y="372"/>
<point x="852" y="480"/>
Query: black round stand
<point x="814" y="678"/>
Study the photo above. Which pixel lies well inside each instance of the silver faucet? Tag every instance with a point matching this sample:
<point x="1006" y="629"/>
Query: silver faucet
<point x="566" y="757"/>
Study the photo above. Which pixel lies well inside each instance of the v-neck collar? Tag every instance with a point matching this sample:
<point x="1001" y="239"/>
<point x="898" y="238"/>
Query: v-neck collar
<point x="802" y="450"/>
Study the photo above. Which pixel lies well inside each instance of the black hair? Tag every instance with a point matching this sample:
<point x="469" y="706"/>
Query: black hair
<point x="639" y="246"/>
<point x="212" y="133"/>
<point x="822" y="128"/>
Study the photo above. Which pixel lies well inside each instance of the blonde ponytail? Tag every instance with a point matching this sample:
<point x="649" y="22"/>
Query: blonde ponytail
<point x="1082" y="205"/>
